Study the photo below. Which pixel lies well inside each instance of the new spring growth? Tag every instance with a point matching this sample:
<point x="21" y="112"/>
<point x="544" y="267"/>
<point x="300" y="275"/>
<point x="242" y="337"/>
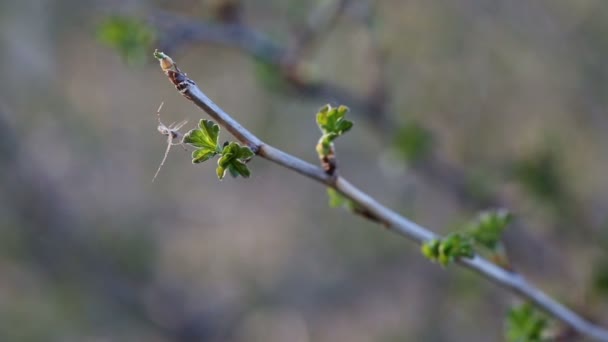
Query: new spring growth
<point x="483" y="234"/>
<point x="332" y="124"/>
<point x="233" y="156"/>
<point x="449" y="249"/>
<point x="526" y="323"/>
<point x="166" y="63"/>
<point x="179" y="79"/>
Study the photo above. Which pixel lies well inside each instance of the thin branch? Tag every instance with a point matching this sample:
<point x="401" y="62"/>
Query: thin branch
<point x="512" y="281"/>
<point x="179" y="30"/>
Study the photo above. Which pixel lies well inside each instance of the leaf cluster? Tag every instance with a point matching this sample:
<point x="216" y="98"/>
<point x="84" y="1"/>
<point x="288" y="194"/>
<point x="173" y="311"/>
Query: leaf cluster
<point x="485" y="231"/>
<point x="332" y="123"/>
<point x="449" y="249"/>
<point x="233" y="156"/>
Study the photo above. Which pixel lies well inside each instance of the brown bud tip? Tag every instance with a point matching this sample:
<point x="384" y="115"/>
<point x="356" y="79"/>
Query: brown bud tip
<point x="166" y="63"/>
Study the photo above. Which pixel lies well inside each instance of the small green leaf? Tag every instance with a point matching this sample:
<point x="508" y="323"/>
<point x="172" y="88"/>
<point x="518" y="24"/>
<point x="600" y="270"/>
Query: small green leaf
<point x="221" y="172"/>
<point x="344" y="126"/>
<point x="331" y="120"/>
<point x="201" y="155"/>
<point x="245" y="153"/>
<point x="225" y="160"/>
<point x="525" y="324"/>
<point x="336" y="200"/>
<point x="239" y="168"/>
<point x="131" y="37"/>
<point x="448" y="249"/>
<point x="430" y="249"/>
<point x="488" y="228"/>
<point x="232" y="159"/>
<point x="206" y="136"/>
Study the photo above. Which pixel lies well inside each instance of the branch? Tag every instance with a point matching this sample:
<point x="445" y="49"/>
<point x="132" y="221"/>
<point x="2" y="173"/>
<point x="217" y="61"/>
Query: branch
<point x="320" y="20"/>
<point x="177" y="31"/>
<point x="373" y="105"/>
<point x="512" y="281"/>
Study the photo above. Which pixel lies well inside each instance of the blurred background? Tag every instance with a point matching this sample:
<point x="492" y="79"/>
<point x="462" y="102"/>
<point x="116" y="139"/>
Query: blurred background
<point x="459" y="106"/>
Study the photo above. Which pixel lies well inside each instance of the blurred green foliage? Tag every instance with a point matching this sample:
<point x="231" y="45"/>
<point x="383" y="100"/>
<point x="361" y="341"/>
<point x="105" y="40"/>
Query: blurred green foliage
<point x="600" y="277"/>
<point x="525" y="324"/>
<point x="487" y="229"/>
<point x="413" y="141"/>
<point x="539" y="174"/>
<point x="268" y="75"/>
<point x="130" y="37"/>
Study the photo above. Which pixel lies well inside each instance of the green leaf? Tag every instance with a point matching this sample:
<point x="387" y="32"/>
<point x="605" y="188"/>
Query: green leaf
<point x="336" y="200"/>
<point x="245" y="153"/>
<point x="430" y="249"/>
<point x="201" y="155"/>
<point x="344" y="126"/>
<point x="331" y="120"/>
<point x="448" y="249"/>
<point x="239" y="168"/>
<point x="225" y="160"/>
<point x="221" y="172"/>
<point x="206" y="136"/>
<point x="525" y="324"/>
<point x="488" y="228"/>
<point x="332" y="123"/>
<point x="233" y="172"/>
<point x="233" y="156"/>
<point x="131" y="37"/>
<point x="233" y="159"/>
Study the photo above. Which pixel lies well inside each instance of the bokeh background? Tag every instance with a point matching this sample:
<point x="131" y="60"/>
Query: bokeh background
<point x="459" y="106"/>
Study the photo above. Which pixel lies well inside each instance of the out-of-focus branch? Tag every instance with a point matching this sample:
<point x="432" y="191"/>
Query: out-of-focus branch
<point x="512" y="281"/>
<point x="177" y="31"/>
<point x="320" y="21"/>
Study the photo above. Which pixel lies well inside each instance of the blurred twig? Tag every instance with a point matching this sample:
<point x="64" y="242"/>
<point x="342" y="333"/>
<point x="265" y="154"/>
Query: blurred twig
<point x="320" y="21"/>
<point x="512" y="281"/>
<point x="177" y="31"/>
